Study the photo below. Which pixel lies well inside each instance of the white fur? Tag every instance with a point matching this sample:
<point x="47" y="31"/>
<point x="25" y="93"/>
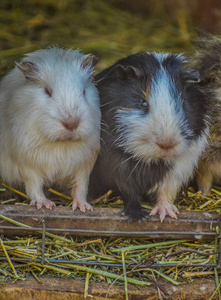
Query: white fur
<point x="35" y="148"/>
<point x="182" y="169"/>
<point x="164" y="121"/>
<point x="140" y="134"/>
<point x="176" y="177"/>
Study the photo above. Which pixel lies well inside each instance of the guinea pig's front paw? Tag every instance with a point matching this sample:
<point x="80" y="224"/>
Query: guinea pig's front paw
<point x="43" y="202"/>
<point x="137" y="214"/>
<point x="165" y="208"/>
<point x="82" y="205"/>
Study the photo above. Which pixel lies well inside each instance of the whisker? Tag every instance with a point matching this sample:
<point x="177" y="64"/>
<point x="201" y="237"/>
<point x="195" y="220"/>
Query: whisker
<point x="143" y="165"/>
<point x="133" y="170"/>
<point x="102" y="105"/>
<point x="104" y="124"/>
<point x="113" y="108"/>
<point x="117" y="166"/>
<point x="103" y="130"/>
<point x="119" y="141"/>
<point x="105" y="76"/>
<point x="102" y="140"/>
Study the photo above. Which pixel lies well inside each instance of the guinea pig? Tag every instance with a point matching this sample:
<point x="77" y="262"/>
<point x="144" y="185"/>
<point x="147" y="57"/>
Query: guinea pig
<point x="50" y="124"/>
<point x="154" y="128"/>
<point x="207" y="61"/>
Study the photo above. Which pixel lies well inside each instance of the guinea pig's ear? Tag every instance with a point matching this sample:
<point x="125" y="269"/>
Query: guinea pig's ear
<point x="128" y="72"/>
<point x="89" y="61"/>
<point x="203" y="39"/>
<point x="210" y="73"/>
<point x="29" y="69"/>
<point x="193" y="77"/>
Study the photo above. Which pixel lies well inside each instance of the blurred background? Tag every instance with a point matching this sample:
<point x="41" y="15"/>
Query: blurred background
<point x="110" y="29"/>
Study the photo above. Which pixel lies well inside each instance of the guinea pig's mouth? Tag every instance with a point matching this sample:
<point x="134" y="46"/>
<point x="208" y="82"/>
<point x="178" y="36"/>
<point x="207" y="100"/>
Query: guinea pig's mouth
<point x="166" y="154"/>
<point x="156" y="154"/>
<point x="69" y="136"/>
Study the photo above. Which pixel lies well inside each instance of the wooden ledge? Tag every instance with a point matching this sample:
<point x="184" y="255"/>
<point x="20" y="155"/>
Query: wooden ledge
<point x="65" y="289"/>
<point x="108" y="222"/>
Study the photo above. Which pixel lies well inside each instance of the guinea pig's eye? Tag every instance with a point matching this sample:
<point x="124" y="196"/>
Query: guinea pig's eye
<point x="144" y="105"/>
<point x="84" y="92"/>
<point x="47" y="92"/>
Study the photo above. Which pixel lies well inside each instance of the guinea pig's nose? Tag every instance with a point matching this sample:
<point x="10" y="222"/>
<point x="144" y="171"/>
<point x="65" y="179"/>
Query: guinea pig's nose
<point x="167" y="144"/>
<point x="71" y="124"/>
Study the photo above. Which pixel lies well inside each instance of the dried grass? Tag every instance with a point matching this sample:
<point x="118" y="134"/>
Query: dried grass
<point x="114" y="260"/>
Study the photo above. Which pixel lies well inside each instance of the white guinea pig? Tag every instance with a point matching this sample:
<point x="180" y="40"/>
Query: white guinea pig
<point x="50" y="124"/>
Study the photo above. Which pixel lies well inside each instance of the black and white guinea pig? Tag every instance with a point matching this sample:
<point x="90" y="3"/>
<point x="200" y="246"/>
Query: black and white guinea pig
<point x="154" y="128"/>
<point x="50" y="124"/>
<point x="207" y="61"/>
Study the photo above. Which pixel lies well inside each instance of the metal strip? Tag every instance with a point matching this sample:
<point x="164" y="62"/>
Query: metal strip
<point x="131" y="266"/>
<point x="110" y="232"/>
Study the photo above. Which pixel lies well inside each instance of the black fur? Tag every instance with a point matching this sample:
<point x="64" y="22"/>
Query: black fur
<point x="121" y="85"/>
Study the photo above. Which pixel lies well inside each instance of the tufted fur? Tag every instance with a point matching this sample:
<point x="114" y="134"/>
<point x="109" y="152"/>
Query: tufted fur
<point x="49" y="87"/>
<point x="147" y="100"/>
<point x="207" y="60"/>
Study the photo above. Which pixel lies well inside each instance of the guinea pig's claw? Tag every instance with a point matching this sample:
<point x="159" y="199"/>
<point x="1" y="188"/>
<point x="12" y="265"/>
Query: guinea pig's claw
<point x="82" y="205"/>
<point x="165" y="210"/>
<point x="140" y="221"/>
<point x="123" y="213"/>
<point x="89" y="207"/>
<point x="145" y="214"/>
<point x="45" y="202"/>
<point x="137" y="215"/>
<point x="130" y="220"/>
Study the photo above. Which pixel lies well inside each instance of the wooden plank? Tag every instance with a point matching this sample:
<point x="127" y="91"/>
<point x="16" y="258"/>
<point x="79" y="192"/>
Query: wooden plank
<point x="108" y="222"/>
<point x="65" y="289"/>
